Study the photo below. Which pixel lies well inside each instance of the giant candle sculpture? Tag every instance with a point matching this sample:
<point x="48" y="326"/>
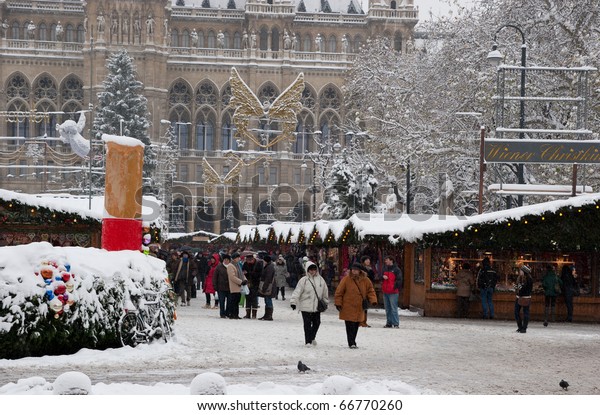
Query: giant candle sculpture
<point x="122" y="222"/>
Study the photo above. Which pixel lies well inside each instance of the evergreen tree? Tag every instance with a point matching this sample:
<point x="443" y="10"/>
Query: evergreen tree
<point x="340" y="199"/>
<point x="325" y="7"/>
<point x="302" y="7"/>
<point x="121" y="105"/>
<point x="206" y="4"/>
<point x="231" y="4"/>
<point x="180" y="3"/>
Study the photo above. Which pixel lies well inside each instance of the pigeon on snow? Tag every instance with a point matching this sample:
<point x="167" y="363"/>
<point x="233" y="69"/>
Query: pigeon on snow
<point x="302" y="367"/>
<point x="563" y="384"/>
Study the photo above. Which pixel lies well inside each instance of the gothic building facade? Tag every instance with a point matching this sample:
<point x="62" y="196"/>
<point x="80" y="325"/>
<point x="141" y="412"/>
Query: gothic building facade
<point x="53" y="61"/>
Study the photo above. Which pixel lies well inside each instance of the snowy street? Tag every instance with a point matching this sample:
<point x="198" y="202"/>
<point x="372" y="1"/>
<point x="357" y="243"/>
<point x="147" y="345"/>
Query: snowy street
<point x="424" y="356"/>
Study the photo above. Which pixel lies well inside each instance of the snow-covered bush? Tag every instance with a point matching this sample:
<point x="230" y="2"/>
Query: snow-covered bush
<point x="72" y="383"/>
<point x="58" y="300"/>
<point x="338" y="385"/>
<point x="208" y="384"/>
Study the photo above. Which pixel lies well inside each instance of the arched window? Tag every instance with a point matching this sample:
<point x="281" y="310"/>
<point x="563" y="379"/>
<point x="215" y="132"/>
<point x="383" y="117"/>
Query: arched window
<point x="205" y="133"/>
<point x="332" y="44"/>
<point x="43" y="32"/>
<point x="264" y="39"/>
<point x="227" y="133"/>
<point x="72" y="89"/>
<point x="207" y="94"/>
<point x="180" y="93"/>
<point x="230" y="216"/>
<point x="15" y="31"/>
<point x="211" y="40"/>
<point x="204" y="215"/>
<point x="17" y="87"/>
<point x="308" y="98"/>
<point x="357" y="43"/>
<point x="201" y="39"/>
<point x="45" y="88"/>
<point x="80" y="34"/>
<point x="47" y="126"/>
<point x="20" y="126"/>
<point x="329" y="127"/>
<point x="267" y="93"/>
<point x="307" y="43"/>
<point x="69" y="33"/>
<point x="304" y="130"/>
<point x="237" y="40"/>
<point x="393" y="5"/>
<point x="275" y="39"/>
<point x="226" y="95"/>
<point x="53" y="32"/>
<point x="185" y="39"/>
<point x="174" y="38"/>
<point x="181" y="125"/>
<point x="330" y="98"/>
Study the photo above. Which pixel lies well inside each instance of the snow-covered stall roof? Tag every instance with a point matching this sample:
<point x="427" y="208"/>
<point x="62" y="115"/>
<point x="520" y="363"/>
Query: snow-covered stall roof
<point x="408" y="228"/>
<point x="173" y="236"/>
<point x="79" y="205"/>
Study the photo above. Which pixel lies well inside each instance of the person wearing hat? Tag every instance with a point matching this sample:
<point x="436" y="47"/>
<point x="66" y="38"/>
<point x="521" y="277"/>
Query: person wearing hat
<point x="524" y="287"/>
<point x="281" y="276"/>
<point x="310" y="289"/>
<point x="267" y="287"/>
<point x="184" y="277"/>
<point x="350" y="295"/>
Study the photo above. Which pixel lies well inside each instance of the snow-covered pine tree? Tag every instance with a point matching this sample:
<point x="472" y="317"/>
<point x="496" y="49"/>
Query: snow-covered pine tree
<point x="301" y="7"/>
<point x="340" y="197"/>
<point x="122" y="102"/>
<point x="180" y="3"/>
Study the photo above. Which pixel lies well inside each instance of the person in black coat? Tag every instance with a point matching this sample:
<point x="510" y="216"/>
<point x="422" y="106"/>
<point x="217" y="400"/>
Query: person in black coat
<point x="523" y="288"/>
<point x="568" y="277"/>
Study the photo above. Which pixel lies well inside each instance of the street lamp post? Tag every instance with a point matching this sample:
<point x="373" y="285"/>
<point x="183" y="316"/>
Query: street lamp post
<point x="496" y="58"/>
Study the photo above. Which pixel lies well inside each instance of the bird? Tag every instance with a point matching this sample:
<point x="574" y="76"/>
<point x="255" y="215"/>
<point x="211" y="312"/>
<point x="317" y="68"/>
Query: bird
<point x="563" y="383"/>
<point x="70" y="133"/>
<point x="302" y="367"/>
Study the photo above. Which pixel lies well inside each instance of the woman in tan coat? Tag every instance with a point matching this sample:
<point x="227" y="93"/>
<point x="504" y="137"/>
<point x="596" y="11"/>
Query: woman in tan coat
<point x="349" y="297"/>
<point x="464" y="285"/>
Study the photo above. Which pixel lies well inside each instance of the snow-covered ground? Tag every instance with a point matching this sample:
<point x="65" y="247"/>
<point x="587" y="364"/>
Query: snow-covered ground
<point x="424" y="356"/>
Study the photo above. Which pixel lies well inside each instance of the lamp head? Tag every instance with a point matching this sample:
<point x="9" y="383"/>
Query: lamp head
<point x="495" y="57"/>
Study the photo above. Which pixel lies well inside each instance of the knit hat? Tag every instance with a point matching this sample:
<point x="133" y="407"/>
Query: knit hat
<point x="267" y="258"/>
<point x="356" y="265"/>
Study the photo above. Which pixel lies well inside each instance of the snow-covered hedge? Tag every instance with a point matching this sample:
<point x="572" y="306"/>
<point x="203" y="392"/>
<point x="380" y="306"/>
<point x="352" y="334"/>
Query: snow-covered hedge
<point x="58" y="300"/>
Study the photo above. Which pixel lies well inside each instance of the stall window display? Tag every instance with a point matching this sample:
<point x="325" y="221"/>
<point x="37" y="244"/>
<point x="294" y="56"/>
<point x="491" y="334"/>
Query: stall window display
<point x="419" y="277"/>
<point x="445" y="264"/>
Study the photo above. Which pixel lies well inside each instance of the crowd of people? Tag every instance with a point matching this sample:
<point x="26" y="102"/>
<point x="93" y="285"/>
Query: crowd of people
<point x="231" y="279"/>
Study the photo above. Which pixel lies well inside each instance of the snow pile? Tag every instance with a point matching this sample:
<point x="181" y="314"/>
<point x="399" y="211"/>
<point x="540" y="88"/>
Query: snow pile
<point x="72" y="383"/>
<point x="208" y="384"/>
<point x="57" y="300"/>
<point x="339" y="385"/>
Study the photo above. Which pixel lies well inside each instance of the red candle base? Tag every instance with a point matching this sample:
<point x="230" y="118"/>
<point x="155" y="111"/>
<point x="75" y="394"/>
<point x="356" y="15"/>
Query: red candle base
<point x="121" y="234"/>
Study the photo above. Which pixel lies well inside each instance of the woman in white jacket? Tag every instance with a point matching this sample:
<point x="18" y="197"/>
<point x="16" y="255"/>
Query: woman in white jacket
<point x="310" y="289"/>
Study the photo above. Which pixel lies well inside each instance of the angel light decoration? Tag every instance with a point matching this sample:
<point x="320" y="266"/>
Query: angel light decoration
<point x="70" y="132"/>
<point x="248" y="108"/>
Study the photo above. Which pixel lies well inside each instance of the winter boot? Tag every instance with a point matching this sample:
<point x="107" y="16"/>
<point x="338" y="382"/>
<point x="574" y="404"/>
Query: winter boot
<point x="268" y="314"/>
<point x="519" y="325"/>
<point x="524" y="329"/>
<point x="546" y="312"/>
<point x="553" y="314"/>
<point x="254" y="312"/>
<point x="247" y="313"/>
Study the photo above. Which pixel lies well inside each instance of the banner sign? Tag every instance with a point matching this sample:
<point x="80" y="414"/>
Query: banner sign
<point x="541" y="151"/>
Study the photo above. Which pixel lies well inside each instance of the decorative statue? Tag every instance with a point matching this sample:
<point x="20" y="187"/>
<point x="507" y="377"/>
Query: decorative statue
<point x="149" y="25"/>
<point x="319" y="43"/>
<point x="287" y="41"/>
<point x="126" y="27"/>
<point x="344" y="44"/>
<point x="115" y="26"/>
<point x="220" y="40"/>
<point x="101" y="22"/>
<point x="4" y="27"/>
<point x="253" y="39"/>
<point x="295" y="42"/>
<point x="137" y="26"/>
<point x="31" y="30"/>
<point x="245" y="40"/>
<point x="70" y="132"/>
<point x="194" y="36"/>
<point x="59" y="32"/>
